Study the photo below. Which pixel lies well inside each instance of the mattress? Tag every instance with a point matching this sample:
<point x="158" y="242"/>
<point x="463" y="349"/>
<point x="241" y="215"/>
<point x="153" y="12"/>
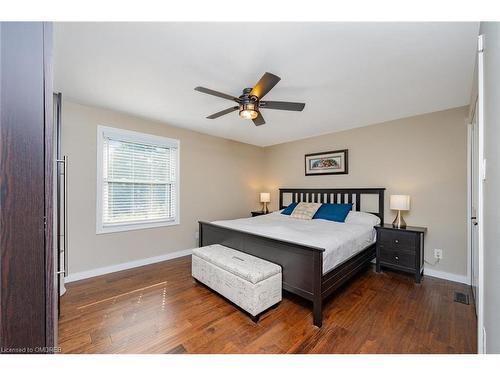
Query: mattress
<point x="340" y="240"/>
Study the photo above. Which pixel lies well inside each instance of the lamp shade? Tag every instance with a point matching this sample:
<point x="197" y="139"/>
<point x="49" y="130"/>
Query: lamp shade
<point x="265" y="197"/>
<point x="400" y="202"/>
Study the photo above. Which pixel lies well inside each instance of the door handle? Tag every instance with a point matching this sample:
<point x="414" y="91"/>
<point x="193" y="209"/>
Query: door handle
<point x="64" y="163"/>
<point x="66" y="230"/>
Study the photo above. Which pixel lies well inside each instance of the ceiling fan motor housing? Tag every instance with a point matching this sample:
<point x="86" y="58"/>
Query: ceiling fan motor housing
<point x="247" y="98"/>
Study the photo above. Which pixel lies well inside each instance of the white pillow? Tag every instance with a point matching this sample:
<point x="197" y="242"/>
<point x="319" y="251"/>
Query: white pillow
<point x="364" y="218"/>
<point x="305" y="211"/>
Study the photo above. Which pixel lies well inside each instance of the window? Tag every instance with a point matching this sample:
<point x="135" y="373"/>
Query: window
<point x="137" y="180"/>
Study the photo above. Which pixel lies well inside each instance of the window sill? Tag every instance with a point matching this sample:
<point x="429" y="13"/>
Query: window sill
<point x="138" y="226"/>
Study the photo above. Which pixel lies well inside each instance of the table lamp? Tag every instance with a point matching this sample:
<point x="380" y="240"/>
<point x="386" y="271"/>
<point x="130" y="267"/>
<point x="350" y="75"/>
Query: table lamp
<point x="265" y="198"/>
<point x="399" y="203"/>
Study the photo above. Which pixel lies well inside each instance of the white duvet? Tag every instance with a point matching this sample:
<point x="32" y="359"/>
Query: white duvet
<point x="340" y="240"/>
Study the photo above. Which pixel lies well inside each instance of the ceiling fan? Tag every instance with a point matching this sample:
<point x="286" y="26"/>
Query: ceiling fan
<point x="250" y="102"/>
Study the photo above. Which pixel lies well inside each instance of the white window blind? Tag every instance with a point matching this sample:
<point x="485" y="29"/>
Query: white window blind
<point x="139" y="181"/>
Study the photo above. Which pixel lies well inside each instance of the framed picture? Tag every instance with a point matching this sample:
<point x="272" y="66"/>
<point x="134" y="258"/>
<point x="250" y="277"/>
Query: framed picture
<point x="329" y="162"/>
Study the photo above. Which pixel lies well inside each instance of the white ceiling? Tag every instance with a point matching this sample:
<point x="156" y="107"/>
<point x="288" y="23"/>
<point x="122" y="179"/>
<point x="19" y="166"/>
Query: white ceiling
<point x="348" y="74"/>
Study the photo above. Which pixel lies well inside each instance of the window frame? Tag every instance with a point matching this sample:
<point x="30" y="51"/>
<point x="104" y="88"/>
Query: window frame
<point x="135" y="137"/>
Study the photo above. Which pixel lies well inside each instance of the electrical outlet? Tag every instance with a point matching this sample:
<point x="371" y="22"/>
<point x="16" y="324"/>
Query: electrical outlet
<point x="438" y="253"/>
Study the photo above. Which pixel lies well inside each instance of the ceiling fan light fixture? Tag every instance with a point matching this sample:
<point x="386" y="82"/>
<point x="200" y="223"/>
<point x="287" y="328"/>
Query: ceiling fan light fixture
<point x="248" y="111"/>
<point x="249" y="102"/>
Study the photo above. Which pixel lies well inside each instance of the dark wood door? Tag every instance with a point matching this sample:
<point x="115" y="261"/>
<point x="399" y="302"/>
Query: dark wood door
<point x="27" y="309"/>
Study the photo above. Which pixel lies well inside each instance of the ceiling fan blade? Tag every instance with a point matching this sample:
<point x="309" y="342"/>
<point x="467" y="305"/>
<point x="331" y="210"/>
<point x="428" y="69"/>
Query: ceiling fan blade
<point x="265" y="84"/>
<point x="286" y="106"/>
<point x="222" y="113"/>
<point x="216" y="93"/>
<point x="259" y="120"/>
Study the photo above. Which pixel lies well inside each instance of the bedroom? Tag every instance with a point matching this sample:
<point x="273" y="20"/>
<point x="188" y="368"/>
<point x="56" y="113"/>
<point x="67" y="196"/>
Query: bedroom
<point x="339" y="204"/>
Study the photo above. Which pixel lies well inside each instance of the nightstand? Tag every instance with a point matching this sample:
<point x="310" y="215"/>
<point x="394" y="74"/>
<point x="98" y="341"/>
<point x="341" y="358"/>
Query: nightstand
<point x="258" y="213"/>
<point x="401" y="249"/>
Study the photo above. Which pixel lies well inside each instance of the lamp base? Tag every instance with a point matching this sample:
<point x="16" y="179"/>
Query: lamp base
<point x="399" y="222"/>
<point x="264" y="208"/>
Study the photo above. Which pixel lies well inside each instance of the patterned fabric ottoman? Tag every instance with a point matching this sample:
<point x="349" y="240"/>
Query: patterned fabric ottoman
<point x="252" y="283"/>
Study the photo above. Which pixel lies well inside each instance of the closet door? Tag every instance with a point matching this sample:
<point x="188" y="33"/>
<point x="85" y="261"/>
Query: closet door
<point x="26" y="249"/>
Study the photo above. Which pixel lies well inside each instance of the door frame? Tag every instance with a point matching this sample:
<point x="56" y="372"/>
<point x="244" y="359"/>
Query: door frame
<point x="469" y="201"/>
<point x="481" y="175"/>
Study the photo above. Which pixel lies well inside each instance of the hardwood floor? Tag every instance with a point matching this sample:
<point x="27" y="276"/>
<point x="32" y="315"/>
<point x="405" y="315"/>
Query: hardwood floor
<point x="159" y="309"/>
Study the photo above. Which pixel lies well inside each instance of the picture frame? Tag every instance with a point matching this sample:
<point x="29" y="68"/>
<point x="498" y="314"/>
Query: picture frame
<point x="326" y="163"/>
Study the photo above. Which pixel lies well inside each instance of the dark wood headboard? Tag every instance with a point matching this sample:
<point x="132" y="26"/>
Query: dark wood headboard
<point x="343" y="195"/>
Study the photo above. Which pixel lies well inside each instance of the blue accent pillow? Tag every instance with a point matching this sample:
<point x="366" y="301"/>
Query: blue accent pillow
<point x="289" y="209"/>
<point x="333" y="212"/>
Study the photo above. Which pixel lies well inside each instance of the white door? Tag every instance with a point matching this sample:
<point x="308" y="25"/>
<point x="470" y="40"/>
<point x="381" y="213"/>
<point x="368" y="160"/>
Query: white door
<point x="476" y="175"/>
<point x="473" y="199"/>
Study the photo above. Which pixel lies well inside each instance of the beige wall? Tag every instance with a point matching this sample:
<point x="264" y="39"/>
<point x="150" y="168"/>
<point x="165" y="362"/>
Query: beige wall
<point x="219" y="179"/>
<point x="423" y="156"/>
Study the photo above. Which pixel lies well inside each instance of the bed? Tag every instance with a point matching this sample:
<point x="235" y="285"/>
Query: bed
<point x="314" y="264"/>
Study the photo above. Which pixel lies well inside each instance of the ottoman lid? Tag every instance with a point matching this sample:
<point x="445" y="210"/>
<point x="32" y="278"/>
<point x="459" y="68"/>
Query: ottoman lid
<point x="246" y="266"/>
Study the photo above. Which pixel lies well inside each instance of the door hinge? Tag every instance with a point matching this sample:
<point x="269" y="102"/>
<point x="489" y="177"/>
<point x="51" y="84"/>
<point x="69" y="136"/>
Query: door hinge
<point x="45" y="223"/>
<point x="480" y="43"/>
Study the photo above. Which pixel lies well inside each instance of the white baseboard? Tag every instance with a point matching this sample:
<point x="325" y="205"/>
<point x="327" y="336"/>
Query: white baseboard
<point x="177" y="254"/>
<point x="444" y="275"/>
<point x="447" y="276"/>
<point x="125" y="266"/>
